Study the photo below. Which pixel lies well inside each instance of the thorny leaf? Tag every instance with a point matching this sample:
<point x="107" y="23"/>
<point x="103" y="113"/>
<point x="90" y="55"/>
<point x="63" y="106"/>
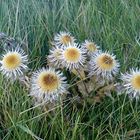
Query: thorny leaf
<point x="96" y="99"/>
<point x="85" y="87"/>
<point x="79" y="73"/>
<point x="102" y="89"/>
<point x="105" y="90"/>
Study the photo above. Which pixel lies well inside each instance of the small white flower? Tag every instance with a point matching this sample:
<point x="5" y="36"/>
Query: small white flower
<point x="48" y="84"/>
<point x="54" y="58"/>
<point x="13" y="63"/>
<point x="103" y="65"/>
<point x="90" y="46"/>
<point x="131" y="83"/>
<point x="73" y="57"/>
<point x="63" y="39"/>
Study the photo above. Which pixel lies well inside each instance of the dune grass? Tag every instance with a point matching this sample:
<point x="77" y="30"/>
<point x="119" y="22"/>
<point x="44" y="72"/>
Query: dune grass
<point x="112" y="24"/>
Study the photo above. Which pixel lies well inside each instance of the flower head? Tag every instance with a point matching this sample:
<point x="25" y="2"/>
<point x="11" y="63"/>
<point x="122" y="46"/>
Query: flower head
<point x="14" y="63"/>
<point x="73" y="57"/>
<point x="131" y="83"/>
<point x="48" y="84"/>
<point x="103" y="65"/>
<point x="63" y="39"/>
<point x="90" y="46"/>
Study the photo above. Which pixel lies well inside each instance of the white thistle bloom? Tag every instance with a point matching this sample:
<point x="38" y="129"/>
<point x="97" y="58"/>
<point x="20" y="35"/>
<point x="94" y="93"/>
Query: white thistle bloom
<point x="73" y="57"/>
<point x="48" y="84"/>
<point x="63" y="39"/>
<point x="131" y="83"/>
<point x="90" y="46"/>
<point x="103" y="65"/>
<point x="54" y="58"/>
<point x="14" y="63"/>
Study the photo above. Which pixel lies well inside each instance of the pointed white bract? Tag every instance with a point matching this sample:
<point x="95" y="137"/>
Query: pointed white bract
<point x="48" y="85"/>
<point x="73" y="56"/>
<point x="104" y="65"/>
<point x="131" y="83"/>
<point x="54" y="58"/>
<point x="14" y="63"/>
<point x="63" y="39"/>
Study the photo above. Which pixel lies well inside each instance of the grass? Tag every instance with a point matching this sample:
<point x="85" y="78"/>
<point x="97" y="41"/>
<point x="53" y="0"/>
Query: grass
<point x="113" y="25"/>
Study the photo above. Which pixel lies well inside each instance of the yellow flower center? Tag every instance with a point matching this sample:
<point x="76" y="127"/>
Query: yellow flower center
<point x="48" y="81"/>
<point x="135" y="81"/>
<point x="72" y="55"/>
<point x="105" y="62"/>
<point x="91" y="47"/>
<point x="66" y="39"/>
<point x="11" y="61"/>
